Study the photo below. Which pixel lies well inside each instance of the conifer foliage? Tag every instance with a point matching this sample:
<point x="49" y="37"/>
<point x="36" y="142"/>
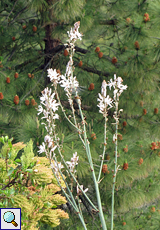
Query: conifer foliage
<point x="120" y="37"/>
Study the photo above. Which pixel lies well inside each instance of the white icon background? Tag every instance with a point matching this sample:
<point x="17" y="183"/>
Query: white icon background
<point x="17" y="213"/>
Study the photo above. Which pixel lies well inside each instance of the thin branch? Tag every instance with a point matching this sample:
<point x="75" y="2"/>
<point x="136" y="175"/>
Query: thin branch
<point x="67" y="105"/>
<point x="109" y="22"/>
<point x="19" y="14"/>
<point x="100" y="73"/>
<point x="12" y="182"/>
<point x="155" y="37"/>
<point x="11" y="10"/>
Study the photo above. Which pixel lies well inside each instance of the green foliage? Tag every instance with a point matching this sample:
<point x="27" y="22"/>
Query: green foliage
<point x="24" y="185"/>
<point x="27" y="155"/>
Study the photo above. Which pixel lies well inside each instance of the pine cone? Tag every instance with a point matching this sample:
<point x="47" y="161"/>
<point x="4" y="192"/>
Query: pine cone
<point x="124" y="123"/>
<point x="146" y="17"/>
<point x="125" y="149"/>
<point x="100" y="55"/>
<point x="16" y="75"/>
<point x="58" y="71"/>
<point x="144" y="111"/>
<point x="120" y="137"/>
<point x="33" y="102"/>
<point x="140" y="161"/>
<point x="155" y="110"/>
<point x="128" y="20"/>
<point x="97" y="49"/>
<point x="104" y="168"/>
<point x="27" y="102"/>
<point x="91" y="87"/>
<point x="125" y="166"/>
<point x="65" y="53"/>
<point x="1" y="95"/>
<point x="114" y="60"/>
<point x="80" y="63"/>
<point x="136" y="44"/>
<point x="16" y="100"/>
<point x="8" y="80"/>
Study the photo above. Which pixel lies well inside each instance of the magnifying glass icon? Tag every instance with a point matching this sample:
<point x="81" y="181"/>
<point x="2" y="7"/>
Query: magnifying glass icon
<point x="9" y="217"/>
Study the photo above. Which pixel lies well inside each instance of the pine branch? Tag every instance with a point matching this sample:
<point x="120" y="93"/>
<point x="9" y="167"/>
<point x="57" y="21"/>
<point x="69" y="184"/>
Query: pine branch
<point x="108" y="22"/>
<point x="92" y="70"/>
<point x="12" y="53"/>
<point x="26" y="62"/>
<point x="11" y="10"/>
<point x="86" y="68"/>
<point x="19" y="14"/>
<point x="67" y="105"/>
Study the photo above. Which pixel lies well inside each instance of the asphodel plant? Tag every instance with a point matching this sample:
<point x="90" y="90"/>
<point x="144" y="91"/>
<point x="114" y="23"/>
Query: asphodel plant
<point x="50" y="103"/>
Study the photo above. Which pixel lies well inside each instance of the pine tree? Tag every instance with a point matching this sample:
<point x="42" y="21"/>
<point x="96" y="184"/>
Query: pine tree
<point x="120" y="37"/>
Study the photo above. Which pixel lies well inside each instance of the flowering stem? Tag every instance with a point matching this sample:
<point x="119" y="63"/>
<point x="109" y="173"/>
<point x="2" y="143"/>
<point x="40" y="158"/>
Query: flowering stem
<point x="115" y="165"/>
<point x="101" y="215"/>
<point x="104" y="149"/>
<point x="72" y="175"/>
<point x="59" y="170"/>
<point x="65" y="113"/>
<point x="74" y="205"/>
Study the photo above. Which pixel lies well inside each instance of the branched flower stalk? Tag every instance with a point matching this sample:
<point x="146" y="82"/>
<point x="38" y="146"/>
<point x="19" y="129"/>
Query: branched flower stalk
<point x="51" y="140"/>
<point x="118" y="89"/>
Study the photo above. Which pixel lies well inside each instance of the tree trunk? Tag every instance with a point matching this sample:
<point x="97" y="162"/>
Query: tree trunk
<point x="50" y="43"/>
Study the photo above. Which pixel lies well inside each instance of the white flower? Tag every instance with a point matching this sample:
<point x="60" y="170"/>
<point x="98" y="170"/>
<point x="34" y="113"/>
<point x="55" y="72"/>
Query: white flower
<point x="111" y="83"/>
<point x="56" y="116"/>
<point x="120" y="86"/>
<point x="104" y="88"/>
<point x="40" y="109"/>
<point x="57" y="167"/>
<point x="117" y="83"/>
<point x="42" y="148"/>
<point x="73" y="162"/>
<point x="53" y="75"/>
<point x="47" y="99"/>
<point x="75" y="158"/>
<point x="74" y="34"/>
<point x="45" y="113"/>
<point x="114" y="138"/>
<point x="104" y="102"/>
<point x="45" y="94"/>
<point x="52" y="150"/>
<point x="79" y="190"/>
<point x="48" y="140"/>
<point x="35" y="170"/>
<point x="68" y="84"/>
<point x="64" y="82"/>
<point x="115" y="93"/>
<point x="69" y="67"/>
<point x="108" y="101"/>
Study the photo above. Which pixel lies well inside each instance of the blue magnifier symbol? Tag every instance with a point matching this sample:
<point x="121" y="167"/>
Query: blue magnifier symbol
<point x="9" y="217"/>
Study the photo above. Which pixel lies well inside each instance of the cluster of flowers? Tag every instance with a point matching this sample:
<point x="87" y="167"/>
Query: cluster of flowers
<point x="48" y="108"/>
<point x="73" y="163"/>
<point x="104" y="99"/>
<point x="70" y="84"/>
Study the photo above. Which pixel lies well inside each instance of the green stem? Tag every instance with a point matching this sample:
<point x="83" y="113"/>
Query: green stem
<point x="74" y="205"/>
<point x="104" y="149"/>
<point x="101" y="215"/>
<point x="115" y="167"/>
<point x="74" y="177"/>
<point x="73" y="202"/>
